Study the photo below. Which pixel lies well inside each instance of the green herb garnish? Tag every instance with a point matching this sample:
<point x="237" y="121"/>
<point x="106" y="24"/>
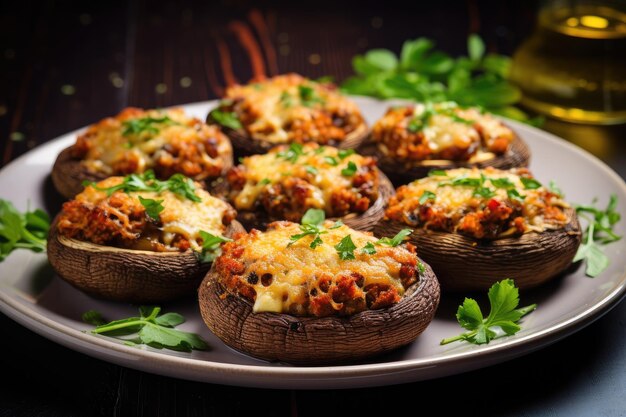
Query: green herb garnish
<point x="504" y="315"/>
<point x="177" y="183"/>
<point x="150" y="328"/>
<point x="530" y="183"/>
<point x="350" y="170"/>
<point x="153" y="207"/>
<point x="211" y="246"/>
<point x="424" y="74"/>
<point x="226" y="119"/>
<point x="145" y="125"/>
<point x="555" y="189"/>
<point x="311" y="225"/>
<point x="513" y="194"/>
<point x="308" y="96"/>
<point x="311" y="170"/>
<point x="331" y="160"/>
<point x="285" y="99"/>
<point x="369" y="249"/>
<point x="427" y="195"/>
<point x="483" y="192"/>
<point x="264" y="181"/>
<point x="345" y="248"/>
<point x="437" y="173"/>
<point x="501" y="183"/>
<point x="598" y="232"/>
<point x="396" y="240"/>
<point x="292" y="153"/>
<point x="28" y="230"/>
<point x="344" y="153"/>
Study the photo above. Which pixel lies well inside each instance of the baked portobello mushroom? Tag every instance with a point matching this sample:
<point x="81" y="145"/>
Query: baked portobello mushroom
<point x="285" y="109"/>
<point x="166" y="141"/>
<point x="478" y="226"/>
<point x="331" y="297"/>
<point x="411" y="140"/>
<point x="290" y="179"/>
<point x="137" y="239"/>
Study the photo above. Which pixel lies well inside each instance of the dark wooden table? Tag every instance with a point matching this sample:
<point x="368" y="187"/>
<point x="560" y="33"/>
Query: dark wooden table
<point x="64" y="65"/>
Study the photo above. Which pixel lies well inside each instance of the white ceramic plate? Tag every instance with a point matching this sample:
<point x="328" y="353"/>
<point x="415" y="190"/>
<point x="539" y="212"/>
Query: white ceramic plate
<point x="31" y="294"/>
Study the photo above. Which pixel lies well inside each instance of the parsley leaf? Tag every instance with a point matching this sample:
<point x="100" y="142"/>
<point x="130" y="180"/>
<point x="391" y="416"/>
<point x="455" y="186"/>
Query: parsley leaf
<point x="369" y="249"/>
<point x="264" y="181"/>
<point x="311" y="170"/>
<point x="504" y="315"/>
<point x="501" y="183"/>
<point x="153" y="207"/>
<point x="424" y="74"/>
<point x="344" y="153"/>
<point x="145" y="124"/>
<point x="331" y="160"/>
<point x="149" y="328"/>
<point x="427" y="195"/>
<point x="226" y="119"/>
<point x="308" y="96"/>
<point x="350" y="170"/>
<point x="396" y="240"/>
<point x="28" y="230"/>
<point x="345" y="248"/>
<point x="311" y="225"/>
<point x="437" y="173"/>
<point x="177" y="183"/>
<point x="513" y="194"/>
<point x="599" y="231"/>
<point x="313" y="217"/>
<point x="483" y="192"/>
<point x="530" y="183"/>
<point x="292" y="153"/>
<point x="211" y="246"/>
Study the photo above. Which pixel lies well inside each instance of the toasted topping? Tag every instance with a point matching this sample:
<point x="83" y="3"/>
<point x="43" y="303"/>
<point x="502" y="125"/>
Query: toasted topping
<point x="280" y="274"/>
<point x="486" y="203"/>
<point x="162" y="220"/>
<point x="166" y="141"/>
<point x="442" y="131"/>
<point x="290" y="108"/>
<point x="291" y="179"/>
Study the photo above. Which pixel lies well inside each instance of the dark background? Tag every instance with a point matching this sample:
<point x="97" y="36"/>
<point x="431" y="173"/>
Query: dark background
<point x="64" y="65"/>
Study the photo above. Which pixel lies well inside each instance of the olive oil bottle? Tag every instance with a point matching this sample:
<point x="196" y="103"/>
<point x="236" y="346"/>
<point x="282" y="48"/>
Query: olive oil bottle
<point x="573" y="67"/>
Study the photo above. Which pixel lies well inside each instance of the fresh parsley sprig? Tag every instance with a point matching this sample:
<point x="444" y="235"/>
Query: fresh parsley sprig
<point x="28" y="230"/>
<point x="211" y="246"/>
<point x="504" y="315"/>
<point x="146" y="125"/>
<point x="147" y="181"/>
<point x="226" y="118"/>
<point x="424" y="74"/>
<point x="149" y="328"/>
<point x="312" y="225"/>
<point x="599" y="231"/>
<point x="153" y="207"/>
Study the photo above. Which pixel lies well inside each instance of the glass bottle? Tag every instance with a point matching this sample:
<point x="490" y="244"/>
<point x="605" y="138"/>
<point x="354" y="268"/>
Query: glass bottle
<point x="573" y="67"/>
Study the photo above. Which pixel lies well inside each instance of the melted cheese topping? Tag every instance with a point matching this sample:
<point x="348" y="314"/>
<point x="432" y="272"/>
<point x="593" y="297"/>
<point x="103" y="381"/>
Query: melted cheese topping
<point x="180" y="216"/>
<point x="113" y="143"/>
<point x="320" y="166"/>
<point x="277" y="105"/>
<point x="441" y="127"/>
<point x="458" y="200"/>
<point x="296" y="268"/>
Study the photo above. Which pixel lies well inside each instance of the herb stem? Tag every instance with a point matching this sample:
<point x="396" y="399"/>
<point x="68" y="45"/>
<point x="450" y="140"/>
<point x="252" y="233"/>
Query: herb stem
<point x="525" y="310"/>
<point x="462" y="336"/>
<point x="110" y="327"/>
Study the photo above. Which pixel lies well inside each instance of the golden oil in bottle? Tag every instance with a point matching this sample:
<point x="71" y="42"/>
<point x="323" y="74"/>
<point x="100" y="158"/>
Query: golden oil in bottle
<point x="573" y="67"/>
